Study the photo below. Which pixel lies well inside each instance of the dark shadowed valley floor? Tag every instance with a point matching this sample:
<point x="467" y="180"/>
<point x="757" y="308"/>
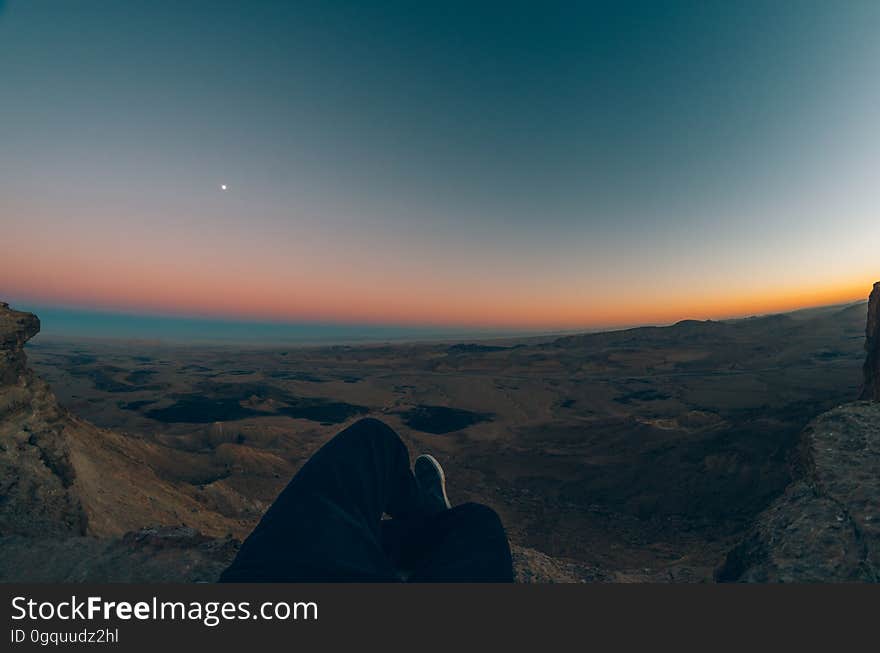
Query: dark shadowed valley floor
<point x="642" y="453"/>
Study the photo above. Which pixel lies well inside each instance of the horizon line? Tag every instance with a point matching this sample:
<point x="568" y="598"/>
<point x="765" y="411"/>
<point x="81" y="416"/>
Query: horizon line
<point x="441" y="331"/>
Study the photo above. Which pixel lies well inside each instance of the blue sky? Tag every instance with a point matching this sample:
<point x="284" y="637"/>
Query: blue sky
<point x="521" y="165"/>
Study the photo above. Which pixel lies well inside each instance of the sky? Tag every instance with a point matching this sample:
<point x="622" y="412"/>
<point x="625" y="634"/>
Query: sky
<point x="506" y="165"/>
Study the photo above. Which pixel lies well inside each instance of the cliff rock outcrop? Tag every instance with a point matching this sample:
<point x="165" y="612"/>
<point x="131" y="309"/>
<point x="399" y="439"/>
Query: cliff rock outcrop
<point x="826" y="526"/>
<point x="62" y="476"/>
<point x="871" y="387"/>
<point x="75" y="499"/>
<point x="36" y="473"/>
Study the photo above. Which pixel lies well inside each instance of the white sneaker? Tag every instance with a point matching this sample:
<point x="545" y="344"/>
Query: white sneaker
<point x="432" y="482"/>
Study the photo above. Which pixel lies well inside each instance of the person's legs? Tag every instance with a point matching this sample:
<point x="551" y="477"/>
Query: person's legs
<point x="466" y="543"/>
<point x="325" y="525"/>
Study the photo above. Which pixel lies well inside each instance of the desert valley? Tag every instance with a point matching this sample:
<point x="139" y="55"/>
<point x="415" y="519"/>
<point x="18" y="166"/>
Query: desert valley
<point x="644" y="454"/>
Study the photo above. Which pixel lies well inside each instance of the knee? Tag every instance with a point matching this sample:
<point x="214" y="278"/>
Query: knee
<point x="481" y="514"/>
<point x="371" y="425"/>
<point x="374" y="430"/>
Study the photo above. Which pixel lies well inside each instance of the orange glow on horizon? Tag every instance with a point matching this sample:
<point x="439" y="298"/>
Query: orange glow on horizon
<point x="243" y="295"/>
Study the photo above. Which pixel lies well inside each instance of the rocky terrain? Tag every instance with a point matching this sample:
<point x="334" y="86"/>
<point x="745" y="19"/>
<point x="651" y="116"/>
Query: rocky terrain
<point x="654" y="454"/>
<point x="71" y="494"/>
<point x="826" y="525"/>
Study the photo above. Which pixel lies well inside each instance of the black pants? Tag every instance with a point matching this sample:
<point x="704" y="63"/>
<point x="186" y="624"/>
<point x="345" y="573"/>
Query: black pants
<point x="327" y="523"/>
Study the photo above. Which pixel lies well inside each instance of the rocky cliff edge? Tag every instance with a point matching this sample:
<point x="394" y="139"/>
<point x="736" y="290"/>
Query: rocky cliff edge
<point x="826" y="525"/>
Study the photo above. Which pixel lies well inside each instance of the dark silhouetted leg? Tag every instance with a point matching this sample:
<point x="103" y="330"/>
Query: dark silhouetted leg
<point x="464" y="544"/>
<point x="325" y="525"/>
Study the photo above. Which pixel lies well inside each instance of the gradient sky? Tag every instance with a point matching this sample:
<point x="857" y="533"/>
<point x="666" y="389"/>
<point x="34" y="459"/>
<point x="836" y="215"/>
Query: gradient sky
<point x="530" y="165"/>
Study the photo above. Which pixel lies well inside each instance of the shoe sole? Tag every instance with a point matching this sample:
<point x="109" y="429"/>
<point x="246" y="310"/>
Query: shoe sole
<point x="440" y="472"/>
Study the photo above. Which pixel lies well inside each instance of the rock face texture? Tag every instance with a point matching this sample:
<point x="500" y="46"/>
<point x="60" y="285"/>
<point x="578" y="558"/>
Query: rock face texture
<point x="826" y="526"/>
<point x="151" y="555"/>
<point x="60" y="475"/>
<point x="531" y="566"/>
<point x="36" y="473"/>
<point x="871" y="387"/>
<point x="64" y="483"/>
